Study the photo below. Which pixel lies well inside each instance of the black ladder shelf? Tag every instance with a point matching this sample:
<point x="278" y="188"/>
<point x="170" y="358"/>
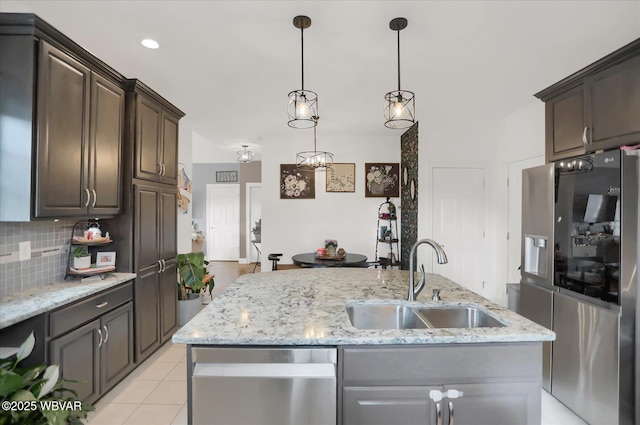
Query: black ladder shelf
<point x="387" y="235"/>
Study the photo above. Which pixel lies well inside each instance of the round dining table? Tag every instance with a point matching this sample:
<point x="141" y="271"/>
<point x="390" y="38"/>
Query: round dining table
<point x="310" y="260"/>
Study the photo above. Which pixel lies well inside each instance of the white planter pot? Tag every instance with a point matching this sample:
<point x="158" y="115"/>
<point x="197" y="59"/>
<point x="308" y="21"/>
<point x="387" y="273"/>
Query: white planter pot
<point x="80" y="263"/>
<point x="187" y="309"/>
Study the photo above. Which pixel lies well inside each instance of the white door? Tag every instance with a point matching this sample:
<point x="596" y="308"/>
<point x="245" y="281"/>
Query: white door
<point x="458" y="220"/>
<point x="254" y="213"/>
<point x="223" y="222"/>
<point x="514" y="214"/>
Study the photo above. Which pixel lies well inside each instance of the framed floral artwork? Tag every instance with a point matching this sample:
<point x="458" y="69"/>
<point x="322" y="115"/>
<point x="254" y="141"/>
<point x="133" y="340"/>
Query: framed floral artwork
<point x="296" y="184"/>
<point x="382" y="180"/>
<point x="341" y="177"/>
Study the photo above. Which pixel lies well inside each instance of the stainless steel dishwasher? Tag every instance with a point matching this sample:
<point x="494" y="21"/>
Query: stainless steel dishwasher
<point x="245" y="386"/>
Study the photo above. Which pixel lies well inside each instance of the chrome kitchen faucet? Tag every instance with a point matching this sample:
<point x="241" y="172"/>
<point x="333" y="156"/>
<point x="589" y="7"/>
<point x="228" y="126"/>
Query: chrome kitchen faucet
<point x="442" y="259"/>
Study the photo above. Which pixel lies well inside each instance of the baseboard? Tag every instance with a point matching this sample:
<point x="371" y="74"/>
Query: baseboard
<point x="243" y="261"/>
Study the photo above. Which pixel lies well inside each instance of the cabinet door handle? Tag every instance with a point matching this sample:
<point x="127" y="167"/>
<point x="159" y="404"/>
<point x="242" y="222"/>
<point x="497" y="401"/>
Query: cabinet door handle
<point x="450" y="412"/>
<point x="95" y="198"/>
<point x="159" y="168"/>
<point x="100" y="334"/>
<point x="106" y="338"/>
<point x="164" y="169"/>
<point x="585" y="140"/>
<point x="438" y="414"/>
<point x="159" y="266"/>
<point x="164" y="266"/>
<point x="104" y="304"/>
<point x="86" y="204"/>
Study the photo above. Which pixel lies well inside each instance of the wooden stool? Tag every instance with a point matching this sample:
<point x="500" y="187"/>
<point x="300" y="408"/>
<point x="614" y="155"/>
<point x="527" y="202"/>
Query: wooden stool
<point x="274" y="260"/>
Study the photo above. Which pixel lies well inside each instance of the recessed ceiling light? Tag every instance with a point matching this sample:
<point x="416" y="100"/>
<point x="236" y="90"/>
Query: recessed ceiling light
<point x="149" y="43"/>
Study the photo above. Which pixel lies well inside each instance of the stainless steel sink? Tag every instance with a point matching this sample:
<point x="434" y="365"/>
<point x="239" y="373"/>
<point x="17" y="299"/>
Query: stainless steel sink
<point x="399" y="316"/>
<point x="384" y="316"/>
<point x="459" y="317"/>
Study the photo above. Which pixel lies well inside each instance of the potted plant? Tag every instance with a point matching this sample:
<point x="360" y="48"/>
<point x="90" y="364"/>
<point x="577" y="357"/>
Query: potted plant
<point x="81" y="258"/>
<point x="37" y="392"/>
<point x="193" y="277"/>
<point x="257" y="231"/>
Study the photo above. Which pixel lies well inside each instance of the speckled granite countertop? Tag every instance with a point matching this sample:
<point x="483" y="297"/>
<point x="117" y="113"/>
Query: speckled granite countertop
<point x="307" y="307"/>
<point x="23" y="305"/>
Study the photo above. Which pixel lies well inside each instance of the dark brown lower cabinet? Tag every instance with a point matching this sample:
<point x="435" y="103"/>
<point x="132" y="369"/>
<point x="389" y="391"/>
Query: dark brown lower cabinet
<point x="97" y="355"/>
<point x="78" y="356"/>
<point x="156" y="293"/>
<point x="168" y="300"/>
<point x="465" y="384"/>
<point x="147" y="303"/>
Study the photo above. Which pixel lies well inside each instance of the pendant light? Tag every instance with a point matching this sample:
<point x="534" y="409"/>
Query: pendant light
<point x="314" y="160"/>
<point x="399" y="110"/>
<point x="245" y="155"/>
<point x="303" y="104"/>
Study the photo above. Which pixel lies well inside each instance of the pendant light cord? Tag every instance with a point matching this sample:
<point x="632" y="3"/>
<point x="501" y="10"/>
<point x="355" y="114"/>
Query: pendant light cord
<point x="398" y="60"/>
<point x="302" y="54"/>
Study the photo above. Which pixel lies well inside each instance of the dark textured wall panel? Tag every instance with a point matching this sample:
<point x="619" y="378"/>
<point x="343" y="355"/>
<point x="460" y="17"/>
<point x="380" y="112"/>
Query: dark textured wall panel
<point x="408" y="193"/>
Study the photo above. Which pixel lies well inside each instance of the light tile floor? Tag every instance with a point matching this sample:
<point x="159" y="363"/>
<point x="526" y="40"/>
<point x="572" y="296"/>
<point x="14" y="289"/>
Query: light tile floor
<point x="156" y="392"/>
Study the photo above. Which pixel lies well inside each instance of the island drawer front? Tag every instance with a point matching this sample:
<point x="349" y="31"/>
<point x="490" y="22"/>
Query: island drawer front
<point x="434" y="365"/>
<point x="264" y="355"/>
<point x="74" y="315"/>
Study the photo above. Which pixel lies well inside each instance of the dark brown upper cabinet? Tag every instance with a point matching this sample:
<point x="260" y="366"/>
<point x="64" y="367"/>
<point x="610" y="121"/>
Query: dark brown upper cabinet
<point x="155" y="136"/>
<point x="81" y="126"/>
<point x="597" y="108"/>
<point x="62" y="124"/>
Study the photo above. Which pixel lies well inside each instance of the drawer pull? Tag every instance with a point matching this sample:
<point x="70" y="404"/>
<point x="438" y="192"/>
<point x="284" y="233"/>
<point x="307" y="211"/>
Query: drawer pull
<point x="104" y="304"/>
<point x="106" y="334"/>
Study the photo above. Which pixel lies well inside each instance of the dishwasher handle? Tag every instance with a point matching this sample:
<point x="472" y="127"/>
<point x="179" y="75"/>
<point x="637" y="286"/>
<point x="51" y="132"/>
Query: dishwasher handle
<point x="265" y="370"/>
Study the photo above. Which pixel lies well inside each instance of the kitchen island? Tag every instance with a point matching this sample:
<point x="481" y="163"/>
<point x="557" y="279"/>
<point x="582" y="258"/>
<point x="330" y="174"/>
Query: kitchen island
<point x="298" y="319"/>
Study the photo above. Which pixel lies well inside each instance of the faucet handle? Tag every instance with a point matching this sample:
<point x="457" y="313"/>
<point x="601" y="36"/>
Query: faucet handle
<point x="436" y="295"/>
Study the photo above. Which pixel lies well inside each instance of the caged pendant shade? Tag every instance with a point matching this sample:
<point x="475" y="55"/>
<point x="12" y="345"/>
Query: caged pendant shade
<point x="303" y="104"/>
<point x="314" y="160"/>
<point x="399" y="110"/>
<point x="245" y="155"/>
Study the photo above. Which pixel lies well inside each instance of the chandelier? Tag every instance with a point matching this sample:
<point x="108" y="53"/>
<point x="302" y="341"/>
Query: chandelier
<point x="399" y="110"/>
<point x="245" y="155"/>
<point x="303" y="104"/>
<point x="314" y="160"/>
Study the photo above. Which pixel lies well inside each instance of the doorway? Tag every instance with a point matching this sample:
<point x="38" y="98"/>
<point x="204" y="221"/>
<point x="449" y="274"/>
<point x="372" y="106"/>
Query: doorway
<point x="223" y="222"/>
<point x="458" y="223"/>
<point x="254" y="214"/>
<point x="514" y="214"/>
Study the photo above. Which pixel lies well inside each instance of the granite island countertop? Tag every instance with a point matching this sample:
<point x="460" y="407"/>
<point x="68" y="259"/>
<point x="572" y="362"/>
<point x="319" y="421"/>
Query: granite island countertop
<point x="23" y="305"/>
<point x="307" y="307"/>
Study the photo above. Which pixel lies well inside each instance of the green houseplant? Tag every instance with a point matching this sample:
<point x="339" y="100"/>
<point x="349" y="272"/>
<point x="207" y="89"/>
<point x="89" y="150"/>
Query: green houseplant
<point x="257" y="231"/>
<point x="192" y="279"/>
<point x="81" y="258"/>
<point x="34" y="395"/>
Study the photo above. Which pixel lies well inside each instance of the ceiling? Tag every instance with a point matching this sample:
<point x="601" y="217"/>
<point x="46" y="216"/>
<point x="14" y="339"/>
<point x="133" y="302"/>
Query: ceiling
<point x="229" y="65"/>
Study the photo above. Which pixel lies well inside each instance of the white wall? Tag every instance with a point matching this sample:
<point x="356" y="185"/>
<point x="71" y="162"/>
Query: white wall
<point x="519" y="136"/>
<point x="292" y="226"/>
<point x="184" y="157"/>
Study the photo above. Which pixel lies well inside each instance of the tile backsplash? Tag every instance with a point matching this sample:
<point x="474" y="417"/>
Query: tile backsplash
<point x="49" y="254"/>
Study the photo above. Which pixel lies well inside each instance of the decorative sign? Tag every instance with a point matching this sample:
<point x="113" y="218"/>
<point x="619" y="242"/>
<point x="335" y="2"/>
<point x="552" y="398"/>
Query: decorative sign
<point x="184" y="189"/>
<point x="226" y="176"/>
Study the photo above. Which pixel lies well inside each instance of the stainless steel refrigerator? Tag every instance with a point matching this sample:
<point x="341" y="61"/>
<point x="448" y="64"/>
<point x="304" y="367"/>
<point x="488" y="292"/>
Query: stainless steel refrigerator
<point x="536" y="285"/>
<point x="580" y="278"/>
